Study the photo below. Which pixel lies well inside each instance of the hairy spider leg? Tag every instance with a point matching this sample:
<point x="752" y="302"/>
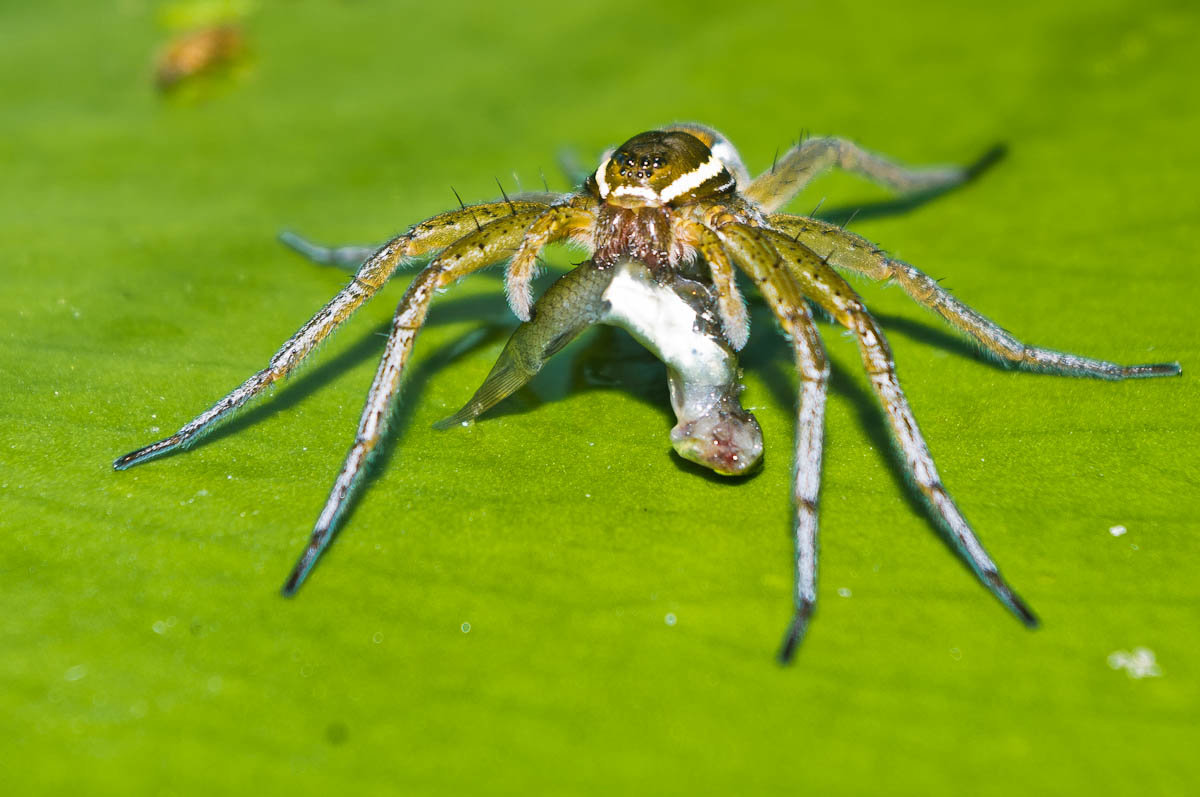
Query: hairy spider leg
<point x="775" y="187"/>
<point x="348" y="256"/>
<point x="831" y="292"/>
<point x="854" y="253"/>
<point x="784" y="295"/>
<point x="734" y="318"/>
<point x="431" y="234"/>
<point x="476" y="250"/>
<point x="573" y="303"/>
<point x="557" y="223"/>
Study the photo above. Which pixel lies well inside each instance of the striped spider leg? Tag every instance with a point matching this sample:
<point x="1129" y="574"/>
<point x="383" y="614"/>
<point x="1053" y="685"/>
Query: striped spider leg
<point x="845" y="250"/>
<point x="469" y="239"/>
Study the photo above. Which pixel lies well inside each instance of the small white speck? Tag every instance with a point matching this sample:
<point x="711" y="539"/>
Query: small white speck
<point x="466" y="628"/>
<point x="75" y="673"/>
<point x="669" y="619"/>
<point x="465" y="423"/>
<point x="845" y="592"/>
<point x="587" y="495"/>
<point x="377" y="637"/>
<point x="230" y="476"/>
<point x="1117" y="531"/>
<point x="160" y="627"/>
<point x="1138" y="663"/>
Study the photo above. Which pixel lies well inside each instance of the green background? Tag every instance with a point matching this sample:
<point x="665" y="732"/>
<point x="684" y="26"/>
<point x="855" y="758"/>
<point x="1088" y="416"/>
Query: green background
<point x="145" y="647"/>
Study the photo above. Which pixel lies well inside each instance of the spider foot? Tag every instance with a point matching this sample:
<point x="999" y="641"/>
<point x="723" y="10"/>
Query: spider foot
<point x="1153" y="369"/>
<point x="1011" y="600"/>
<point x="795" y="633"/>
<point x="144" y="454"/>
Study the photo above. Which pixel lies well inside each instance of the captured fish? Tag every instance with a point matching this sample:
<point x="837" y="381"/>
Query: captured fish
<point x="676" y="320"/>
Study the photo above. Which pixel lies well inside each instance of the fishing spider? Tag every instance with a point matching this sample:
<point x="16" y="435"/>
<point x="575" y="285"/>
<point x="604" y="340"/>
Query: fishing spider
<point x="667" y="217"/>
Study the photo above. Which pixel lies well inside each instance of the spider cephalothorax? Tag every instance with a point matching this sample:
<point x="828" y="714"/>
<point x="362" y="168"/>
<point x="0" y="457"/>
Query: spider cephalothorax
<point x="640" y="184"/>
<point x="667" y="217"/>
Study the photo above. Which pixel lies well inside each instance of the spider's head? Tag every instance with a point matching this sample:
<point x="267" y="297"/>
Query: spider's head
<point x="662" y="167"/>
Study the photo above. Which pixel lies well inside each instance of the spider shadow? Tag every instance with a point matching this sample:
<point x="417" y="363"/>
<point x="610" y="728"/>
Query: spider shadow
<point x="909" y="202"/>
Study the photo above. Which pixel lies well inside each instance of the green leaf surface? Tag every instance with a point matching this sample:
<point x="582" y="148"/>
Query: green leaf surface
<point x="549" y="601"/>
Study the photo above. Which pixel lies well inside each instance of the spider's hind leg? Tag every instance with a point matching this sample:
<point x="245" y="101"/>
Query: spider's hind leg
<point x="349" y="256"/>
<point x="783" y="181"/>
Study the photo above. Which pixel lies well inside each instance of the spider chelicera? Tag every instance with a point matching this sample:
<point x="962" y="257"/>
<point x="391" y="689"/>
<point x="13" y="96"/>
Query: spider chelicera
<point x="667" y="217"/>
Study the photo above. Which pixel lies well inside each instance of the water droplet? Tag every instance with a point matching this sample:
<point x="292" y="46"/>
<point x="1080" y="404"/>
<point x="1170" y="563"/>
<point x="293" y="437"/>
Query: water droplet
<point x="1138" y="663"/>
<point x="466" y="628"/>
<point x="845" y="592"/>
<point x="76" y="672"/>
<point x="378" y="637"/>
<point x="669" y="619"/>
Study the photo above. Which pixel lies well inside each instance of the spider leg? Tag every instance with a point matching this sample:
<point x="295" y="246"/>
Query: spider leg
<point x="783" y="294"/>
<point x="734" y="318"/>
<point x="827" y="288"/>
<point x="855" y="253"/>
<point x="434" y="233"/>
<point x="474" y="251"/>
<point x="775" y="187"/>
<point x="555" y="224"/>
<point x="350" y="256"/>
<point x="573" y="303"/>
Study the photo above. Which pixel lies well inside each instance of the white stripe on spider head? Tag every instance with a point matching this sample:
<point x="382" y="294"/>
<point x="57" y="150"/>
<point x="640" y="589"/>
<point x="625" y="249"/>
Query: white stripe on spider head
<point x="600" y="181"/>
<point x="693" y="179"/>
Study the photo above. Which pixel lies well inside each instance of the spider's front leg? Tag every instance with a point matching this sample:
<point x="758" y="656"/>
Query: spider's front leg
<point x="427" y="236"/>
<point x="786" y="299"/>
<point x="827" y="288"/>
<point x="790" y="174"/>
<point x="853" y="252"/>
<point x="486" y="245"/>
